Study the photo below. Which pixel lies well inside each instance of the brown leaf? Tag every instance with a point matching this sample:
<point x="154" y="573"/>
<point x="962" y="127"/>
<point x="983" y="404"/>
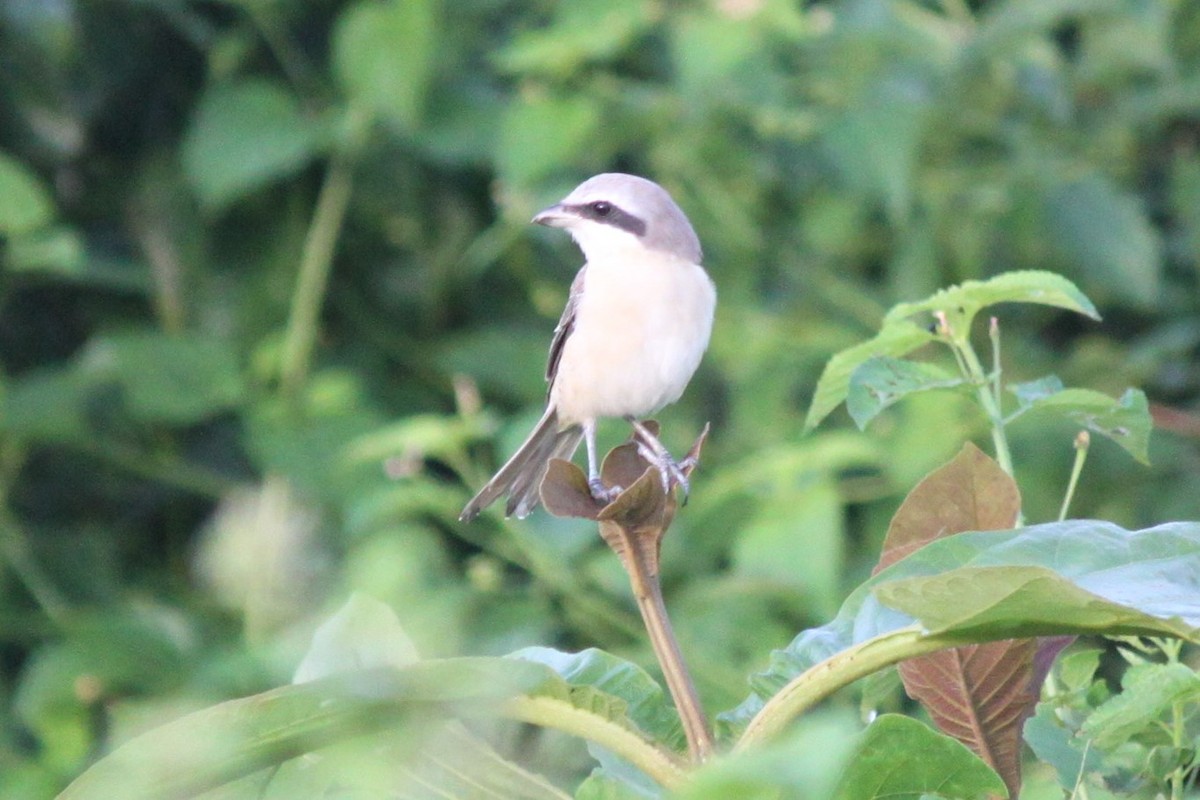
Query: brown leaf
<point x="970" y="493"/>
<point x="979" y="694"/>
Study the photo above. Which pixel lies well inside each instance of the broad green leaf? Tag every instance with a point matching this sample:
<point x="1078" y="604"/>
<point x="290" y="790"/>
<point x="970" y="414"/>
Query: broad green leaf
<point x="171" y="379"/>
<point x="543" y="134"/>
<point x="1010" y="601"/>
<point x="1079" y="576"/>
<point x="883" y="381"/>
<point x="897" y="338"/>
<point x="1126" y="420"/>
<point x="25" y="202"/>
<point x="964" y="301"/>
<point x="245" y="135"/>
<point x="581" y="31"/>
<point x="383" y="56"/>
<point x="646" y="704"/>
<point x="1148" y="691"/>
<point x="216" y="745"/>
<point x="899" y="758"/>
<point x="1104" y="236"/>
<point x="363" y="634"/>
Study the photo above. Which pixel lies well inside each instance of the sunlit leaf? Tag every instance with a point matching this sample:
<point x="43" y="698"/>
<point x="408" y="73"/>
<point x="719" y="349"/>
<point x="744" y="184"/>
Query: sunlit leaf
<point x="1030" y="286"/>
<point x="540" y="135"/>
<point x="219" y="744"/>
<point x="363" y="634"/>
<point x="899" y="757"/>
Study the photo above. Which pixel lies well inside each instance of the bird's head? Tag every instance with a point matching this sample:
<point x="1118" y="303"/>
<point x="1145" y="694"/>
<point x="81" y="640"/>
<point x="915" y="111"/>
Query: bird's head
<point x="615" y="212"/>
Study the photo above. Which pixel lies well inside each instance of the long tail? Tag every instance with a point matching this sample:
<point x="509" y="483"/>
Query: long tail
<point x="521" y="477"/>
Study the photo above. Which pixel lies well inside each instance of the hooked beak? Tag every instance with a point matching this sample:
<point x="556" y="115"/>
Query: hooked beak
<point x="556" y="216"/>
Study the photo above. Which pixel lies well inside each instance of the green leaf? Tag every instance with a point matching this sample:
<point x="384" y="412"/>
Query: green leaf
<point x="171" y="379"/>
<point x="25" y="202"/>
<point x="964" y="301"/>
<point x="363" y="634"/>
<point x="1104" y="236"/>
<point x="1009" y="602"/>
<point x="1054" y="744"/>
<point x="898" y="758"/>
<point x="807" y="761"/>
<point x="541" y="135"/>
<point x="1078" y="576"/>
<point x="383" y="56"/>
<point x="897" y="338"/>
<point x="1148" y="691"/>
<point x="581" y="31"/>
<point x="646" y="704"/>
<point x="244" y="136"/>
<point x="216" y="745"/>
<point x="883" y="381"/>
<point x="1125" y="420"/>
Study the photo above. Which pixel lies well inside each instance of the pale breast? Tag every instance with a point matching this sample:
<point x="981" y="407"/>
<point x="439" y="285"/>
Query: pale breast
<point x="641" y="327"/>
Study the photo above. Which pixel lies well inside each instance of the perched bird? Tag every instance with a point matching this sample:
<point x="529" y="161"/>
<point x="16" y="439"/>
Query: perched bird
<point x="635" y="327"/>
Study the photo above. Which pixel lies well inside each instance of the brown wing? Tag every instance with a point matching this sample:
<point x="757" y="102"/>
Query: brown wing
<point x="566" y="324"/>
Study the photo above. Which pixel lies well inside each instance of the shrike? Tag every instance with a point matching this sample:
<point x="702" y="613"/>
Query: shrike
<point x="636" y="324"/>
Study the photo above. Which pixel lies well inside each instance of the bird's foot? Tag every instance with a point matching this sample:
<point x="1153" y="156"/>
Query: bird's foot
<point x="602" y="493"/>
<point x="670" y="470"/>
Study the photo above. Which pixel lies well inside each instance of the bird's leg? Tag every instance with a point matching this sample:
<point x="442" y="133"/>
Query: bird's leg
<point x="651" y="449"/>
<point x="595" y="485"/>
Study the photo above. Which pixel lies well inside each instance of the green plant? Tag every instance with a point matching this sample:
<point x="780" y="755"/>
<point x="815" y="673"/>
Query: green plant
<point x="956" y="582"/>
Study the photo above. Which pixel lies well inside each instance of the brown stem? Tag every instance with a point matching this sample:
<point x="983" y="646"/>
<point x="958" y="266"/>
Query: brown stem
<point x="647" y="590"/>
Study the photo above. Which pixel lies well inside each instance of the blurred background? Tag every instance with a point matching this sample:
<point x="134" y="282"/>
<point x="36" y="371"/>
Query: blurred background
<point x="271" y="311"/>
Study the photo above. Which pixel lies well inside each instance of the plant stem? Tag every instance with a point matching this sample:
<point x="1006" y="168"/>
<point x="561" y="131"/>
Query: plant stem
<point x="822" y="680"/>
<point x="316" y="259"/>
<point x="1082" y="441"/>
<point x="989" y="402"/>
<point x="647" y="590"/>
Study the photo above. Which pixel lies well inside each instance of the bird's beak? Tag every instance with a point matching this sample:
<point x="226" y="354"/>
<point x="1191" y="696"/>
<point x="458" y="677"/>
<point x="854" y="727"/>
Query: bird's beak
<point x="556" y="216"/>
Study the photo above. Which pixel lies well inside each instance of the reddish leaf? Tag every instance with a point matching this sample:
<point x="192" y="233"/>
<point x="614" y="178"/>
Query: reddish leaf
<point x="979" y="694"/>
<point x="970" y="493"/>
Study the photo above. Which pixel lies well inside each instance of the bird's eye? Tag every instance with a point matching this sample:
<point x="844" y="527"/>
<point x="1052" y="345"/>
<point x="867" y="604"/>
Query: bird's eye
<point x="602" y="208"/>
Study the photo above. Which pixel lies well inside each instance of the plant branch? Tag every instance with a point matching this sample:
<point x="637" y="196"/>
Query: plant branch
<point x="316" y="259"/>
<point x="1082" y="441"/>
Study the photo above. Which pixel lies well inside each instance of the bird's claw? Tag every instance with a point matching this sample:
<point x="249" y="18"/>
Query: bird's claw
<point x="602" y="493"/>
<point x="668" y="468"/>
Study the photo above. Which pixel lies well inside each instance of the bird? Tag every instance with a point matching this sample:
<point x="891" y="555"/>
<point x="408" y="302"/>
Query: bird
<point x="636" y="324"/>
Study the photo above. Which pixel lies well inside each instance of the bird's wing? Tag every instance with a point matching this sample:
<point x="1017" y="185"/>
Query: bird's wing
<point x="566" y="324"/>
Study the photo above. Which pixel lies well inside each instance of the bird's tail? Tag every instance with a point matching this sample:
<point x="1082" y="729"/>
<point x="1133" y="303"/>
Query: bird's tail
<point x="521" y="477"/>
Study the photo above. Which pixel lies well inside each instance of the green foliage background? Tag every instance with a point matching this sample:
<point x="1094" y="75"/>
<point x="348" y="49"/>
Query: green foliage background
<point x="207" y="442"/>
